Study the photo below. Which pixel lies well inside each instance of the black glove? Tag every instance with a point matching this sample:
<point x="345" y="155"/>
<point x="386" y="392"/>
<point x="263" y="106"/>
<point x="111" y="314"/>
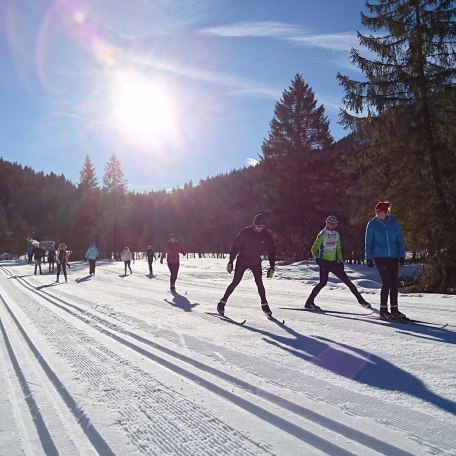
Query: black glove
<point x="318" y="261"/>
<point x="401" y="261"/>
<point x="229" y="268"/>
<point x="270" y="273"/>
<point x="370" y="263"/>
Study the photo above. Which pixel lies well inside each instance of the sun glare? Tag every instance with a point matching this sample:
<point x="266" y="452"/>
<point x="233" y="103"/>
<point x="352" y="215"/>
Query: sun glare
<point x="142" y="108"/>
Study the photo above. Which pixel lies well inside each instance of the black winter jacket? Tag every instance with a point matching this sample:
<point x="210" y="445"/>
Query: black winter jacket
<point x="250" y="245"/>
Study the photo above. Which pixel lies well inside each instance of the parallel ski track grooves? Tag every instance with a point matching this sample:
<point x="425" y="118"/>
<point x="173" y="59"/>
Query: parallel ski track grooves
<point x="92" y="434"/>
<point x="298" y="432"/>
<point x="40" y="425"/>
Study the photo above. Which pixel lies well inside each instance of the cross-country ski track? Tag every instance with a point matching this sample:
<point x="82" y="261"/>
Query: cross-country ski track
<point x="115" y="364"/>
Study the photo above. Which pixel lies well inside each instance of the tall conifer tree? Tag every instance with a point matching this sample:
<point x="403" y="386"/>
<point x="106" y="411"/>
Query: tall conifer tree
<point x="87" y="177"/>
<point x="400" y="113"/>
<point x="299" y="134"/>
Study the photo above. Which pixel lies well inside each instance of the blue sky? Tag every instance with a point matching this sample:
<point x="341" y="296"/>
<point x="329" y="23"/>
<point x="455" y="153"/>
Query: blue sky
<point x="179" y="89"/>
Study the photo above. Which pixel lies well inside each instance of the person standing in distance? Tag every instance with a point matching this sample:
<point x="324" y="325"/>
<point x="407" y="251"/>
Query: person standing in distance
<point x="385" y="249"/>
<point x="171" y="252"/>
<point x="62" y="261"/>
<point x="150" y="258"/>
<point x="92" y="255"/>
<point x="248" y="247"/>
<point x="327" y="252"/>
<point x="126" y="258"/>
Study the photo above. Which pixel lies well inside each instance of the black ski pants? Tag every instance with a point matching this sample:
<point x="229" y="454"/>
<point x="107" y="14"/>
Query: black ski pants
<point x="149" y="261"/>
<point x="127" y="264"/>
<point x="338" y="270"/>
<point x="239" y="273"/>
<point x="388" y="269"/>
<point x="173" y="269"/>
<point x="38" y="265"/>
<point x="92" y="266"/>
<point x="61" y="267"/>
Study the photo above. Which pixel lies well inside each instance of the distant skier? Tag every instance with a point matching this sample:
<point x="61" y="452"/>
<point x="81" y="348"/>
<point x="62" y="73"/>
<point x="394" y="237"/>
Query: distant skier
<point x="38" y="254"/>
<point x="92" y="255"/>
<point x="126" y="258"/>
<point x="327" y="252"/>
<point x="150" y="258"/>
<point x="385" y="248"/>
<point x="248" y="247"/>
<point x="51" y="257"/>
<point x="62" y="261"/>
<point x="171" y="252"/>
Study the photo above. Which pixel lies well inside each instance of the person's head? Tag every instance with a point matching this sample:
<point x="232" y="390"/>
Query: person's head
<point x="382" y="209"/>
<point x="149" y="247"/>
<point x="62" y="246"/>
<point x="259" y="222"/>
<point x="331" y="222"/>
<point x="92" y="244"/>
<point x="126" y="248"/>
<point x="172" y="237"/>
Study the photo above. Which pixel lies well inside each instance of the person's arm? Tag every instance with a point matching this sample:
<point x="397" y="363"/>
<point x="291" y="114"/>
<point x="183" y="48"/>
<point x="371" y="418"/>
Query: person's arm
<point x="369" y="242"/>
<point x="236" y="247"/>
<point x="316" y="245"/>
<point x="400" y="243"/>
<point x="271" y="252"/>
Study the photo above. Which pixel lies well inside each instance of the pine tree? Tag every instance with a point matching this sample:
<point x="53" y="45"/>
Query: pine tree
<point x="401" y="112"/>
<point x="114" y="188"/>
<point x="298" y="136"/>
<point x="88" y="177"/>
<point x="113" y="179"/>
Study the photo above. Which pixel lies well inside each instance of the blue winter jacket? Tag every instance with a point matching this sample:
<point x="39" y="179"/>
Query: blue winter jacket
<point x="384" y="240"/>
<point x="92" y="253"/>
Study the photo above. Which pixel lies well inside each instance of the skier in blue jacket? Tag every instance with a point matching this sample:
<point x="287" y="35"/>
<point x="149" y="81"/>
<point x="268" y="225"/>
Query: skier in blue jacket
<point x="385" y="248"/>
<point x="92" y="255"/>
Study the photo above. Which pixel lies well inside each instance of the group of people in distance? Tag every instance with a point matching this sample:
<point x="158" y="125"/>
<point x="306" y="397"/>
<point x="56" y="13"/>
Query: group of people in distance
<point x="384" y="248"/>
<point x="60" y="257"/>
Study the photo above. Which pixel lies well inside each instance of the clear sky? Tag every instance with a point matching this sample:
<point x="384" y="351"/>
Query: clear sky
<point x="179" y="89"/>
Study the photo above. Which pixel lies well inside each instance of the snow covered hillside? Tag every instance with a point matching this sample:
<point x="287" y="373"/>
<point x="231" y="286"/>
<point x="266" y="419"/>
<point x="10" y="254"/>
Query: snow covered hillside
<point x="115" y="364"/>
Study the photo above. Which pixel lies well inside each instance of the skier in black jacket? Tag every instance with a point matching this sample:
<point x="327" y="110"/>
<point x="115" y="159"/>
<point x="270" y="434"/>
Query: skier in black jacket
<point x="248" y="247"/>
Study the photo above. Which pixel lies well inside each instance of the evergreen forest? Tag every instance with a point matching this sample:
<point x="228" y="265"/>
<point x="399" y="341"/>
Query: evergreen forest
<point x="401" y="115"/>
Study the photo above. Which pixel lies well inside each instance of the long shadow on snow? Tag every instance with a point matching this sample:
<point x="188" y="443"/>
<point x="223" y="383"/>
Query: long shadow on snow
<point x="181" y="302"/>
<point x="360" y="365"/>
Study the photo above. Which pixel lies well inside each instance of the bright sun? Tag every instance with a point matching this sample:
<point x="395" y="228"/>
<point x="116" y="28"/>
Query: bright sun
<point x="142" y="108"/>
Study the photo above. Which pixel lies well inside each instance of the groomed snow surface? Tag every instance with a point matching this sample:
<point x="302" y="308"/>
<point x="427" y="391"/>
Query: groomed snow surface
<point x="116" y="364"/>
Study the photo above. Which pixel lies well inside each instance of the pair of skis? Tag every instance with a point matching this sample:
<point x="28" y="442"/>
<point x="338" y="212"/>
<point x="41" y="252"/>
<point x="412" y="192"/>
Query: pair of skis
<point x="372" y="315"/>
<point x="239" y="322"/>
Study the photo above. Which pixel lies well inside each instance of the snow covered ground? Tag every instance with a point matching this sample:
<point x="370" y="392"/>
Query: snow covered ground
<point x="116" y="364"/>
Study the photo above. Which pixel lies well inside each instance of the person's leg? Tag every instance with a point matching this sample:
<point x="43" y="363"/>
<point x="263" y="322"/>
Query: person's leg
<point x="173" y="269"/>
<point x="129" y="266"/>
<point x="238" y="274"/>
<point x="64" y="271"/>
<point x="58" y="271"/>
<point x="338" y="270"/>
<point x="257" y="275"/>
<point x="393" y="269"/>
<point x="385" y="275"/>
<point x="39" y="264"/>
<point x="150" y="266"/>
<point x="324" y="271"/>
<point x="125" y="267"/>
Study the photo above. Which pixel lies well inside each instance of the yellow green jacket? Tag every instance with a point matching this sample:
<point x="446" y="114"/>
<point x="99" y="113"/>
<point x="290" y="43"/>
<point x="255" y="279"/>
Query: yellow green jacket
<point x="327" y="245"/>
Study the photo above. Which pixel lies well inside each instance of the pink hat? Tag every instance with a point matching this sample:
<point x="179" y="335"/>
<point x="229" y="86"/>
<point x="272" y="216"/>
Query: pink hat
<point x="382" y="206"/>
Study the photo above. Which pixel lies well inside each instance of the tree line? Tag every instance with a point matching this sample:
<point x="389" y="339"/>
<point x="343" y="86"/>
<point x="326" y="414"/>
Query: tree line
<point x="401" y="148"/>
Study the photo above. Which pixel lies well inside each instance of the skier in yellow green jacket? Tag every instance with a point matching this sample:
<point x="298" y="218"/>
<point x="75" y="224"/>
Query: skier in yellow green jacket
<point x="327" y="252"/>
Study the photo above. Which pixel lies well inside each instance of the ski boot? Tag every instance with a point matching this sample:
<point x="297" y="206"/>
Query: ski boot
<point x="310" y="305"/>
<point x="396" y="315"/>
<point x="221" y="308"/>
<point x="265" y="308"/>
<point x="365" y="304"/>
<point x="384" y="314"/>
